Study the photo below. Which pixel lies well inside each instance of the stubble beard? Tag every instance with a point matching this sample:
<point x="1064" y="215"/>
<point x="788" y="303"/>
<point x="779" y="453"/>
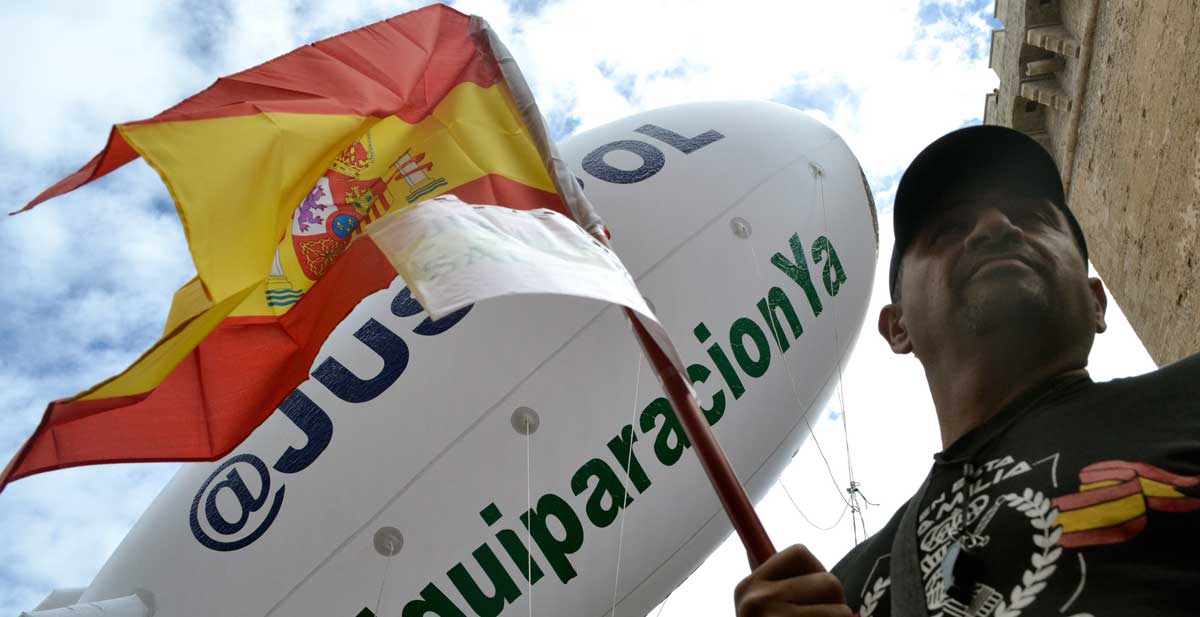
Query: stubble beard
<point x="1019" y="309"/>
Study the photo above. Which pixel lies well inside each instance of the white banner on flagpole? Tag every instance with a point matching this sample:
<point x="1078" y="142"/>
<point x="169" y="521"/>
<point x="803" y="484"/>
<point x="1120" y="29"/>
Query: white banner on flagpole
<point x="453" y="254"/>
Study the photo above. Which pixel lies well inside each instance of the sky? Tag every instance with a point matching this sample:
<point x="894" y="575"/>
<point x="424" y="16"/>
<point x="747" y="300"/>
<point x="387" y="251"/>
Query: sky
<point x="90" y="275"/>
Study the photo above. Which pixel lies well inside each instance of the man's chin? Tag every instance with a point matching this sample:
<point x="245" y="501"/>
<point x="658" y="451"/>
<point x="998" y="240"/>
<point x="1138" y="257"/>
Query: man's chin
<point x="1005" y="305"/>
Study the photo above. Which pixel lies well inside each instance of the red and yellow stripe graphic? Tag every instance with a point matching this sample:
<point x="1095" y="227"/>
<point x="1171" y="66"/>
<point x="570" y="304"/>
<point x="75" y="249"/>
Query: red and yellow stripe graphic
<point x="275" y="171"/>
<point x="1113" y="500"/>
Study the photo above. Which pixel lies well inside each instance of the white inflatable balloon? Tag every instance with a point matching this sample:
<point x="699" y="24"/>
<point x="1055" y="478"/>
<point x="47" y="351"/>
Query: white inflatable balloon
<point x="524" y="421"/>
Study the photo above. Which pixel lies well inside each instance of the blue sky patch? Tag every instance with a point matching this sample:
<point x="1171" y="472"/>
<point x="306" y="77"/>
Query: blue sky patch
<point x="561" y="124"/>
<point x="623" y="83"/>
<point x="825" y="97"/>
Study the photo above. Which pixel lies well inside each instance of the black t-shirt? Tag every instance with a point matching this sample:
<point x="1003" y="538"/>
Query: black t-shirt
<point x="1084" y="496"/>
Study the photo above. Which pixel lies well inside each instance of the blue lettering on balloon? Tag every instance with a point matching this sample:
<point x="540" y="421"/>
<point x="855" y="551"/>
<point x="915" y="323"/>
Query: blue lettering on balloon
<point x="686" y="145"/>
<point x="652" y="162"/>
<point x="652" y="158"/>
<point x="432" y="327"/>
<point x="348" y="386"/>
<point x="317" y="427"/>
<point x="248" y="503"/>
<point x="405" y="305"/>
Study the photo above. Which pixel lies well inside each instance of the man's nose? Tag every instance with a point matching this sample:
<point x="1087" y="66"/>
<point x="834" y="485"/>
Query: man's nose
<point x="993" y="229"/>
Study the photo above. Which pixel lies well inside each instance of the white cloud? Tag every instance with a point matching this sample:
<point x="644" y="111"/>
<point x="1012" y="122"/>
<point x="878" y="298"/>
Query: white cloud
<point x="895" y="80"/>
<point x="75" y="68"/>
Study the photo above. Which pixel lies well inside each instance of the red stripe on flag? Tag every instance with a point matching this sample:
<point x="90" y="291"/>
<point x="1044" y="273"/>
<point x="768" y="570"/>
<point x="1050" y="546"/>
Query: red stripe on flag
<point x="1173" y="504"/>
<point x="1085" y="499"/>
<point x="1114" y="469"/>
<point x="218" y="395"/>
<point x="403" y="66"/>
<point x="494" y="189"/>
<point x="115" y="154"/>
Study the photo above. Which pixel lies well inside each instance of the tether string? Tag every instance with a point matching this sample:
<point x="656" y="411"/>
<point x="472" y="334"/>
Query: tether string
<point x="792" y="379"/>
<point x="853" y="487"/>
<point x="845" y="508"/>
<point x="637" y="384"/>
<point x="387" y="564"/>
<point x="528" y="507"/>
<point x="663" y="605"/>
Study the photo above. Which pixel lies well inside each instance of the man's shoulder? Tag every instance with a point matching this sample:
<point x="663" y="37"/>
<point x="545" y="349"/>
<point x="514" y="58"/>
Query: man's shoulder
<point x="1169" y="381"/>
<point x="858" y="563"/>
<point x="1185" y="368"/>
<point x="865" y="572"/>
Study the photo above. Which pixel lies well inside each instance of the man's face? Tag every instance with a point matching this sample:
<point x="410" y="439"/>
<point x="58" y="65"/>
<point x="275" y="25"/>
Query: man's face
<point x="996" y="258"/>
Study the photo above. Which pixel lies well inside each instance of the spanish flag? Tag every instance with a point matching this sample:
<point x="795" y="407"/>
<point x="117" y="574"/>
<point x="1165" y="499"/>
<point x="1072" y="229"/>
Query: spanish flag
<point x="1115" y="498"/>
<point x="277" y="172"/>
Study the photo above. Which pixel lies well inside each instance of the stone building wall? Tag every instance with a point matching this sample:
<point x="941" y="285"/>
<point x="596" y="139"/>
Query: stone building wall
<point x="1112" y="89"/>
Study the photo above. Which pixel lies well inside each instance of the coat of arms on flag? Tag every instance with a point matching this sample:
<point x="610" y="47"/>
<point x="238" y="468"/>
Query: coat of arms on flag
<point x="355" y="190"/>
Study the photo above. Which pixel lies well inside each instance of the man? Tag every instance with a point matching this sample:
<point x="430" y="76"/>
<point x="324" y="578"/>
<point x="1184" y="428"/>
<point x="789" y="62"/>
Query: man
<point x="1053" y="495"/>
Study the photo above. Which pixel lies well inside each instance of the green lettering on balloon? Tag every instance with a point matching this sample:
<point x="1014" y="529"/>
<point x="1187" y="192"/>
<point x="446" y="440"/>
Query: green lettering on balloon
<point x="504" y="590"/>
<point x="732" y="379"/>
<point x="431" y="602"/>
<point x="604" y="502"/>
<point x="621" y="447"/>
<point x="671" y="441"/>
<point x="556" y="549"/>
<point x="770" y="307"/>
<point x="798" y="272"/>
<point x="698" y="373"/>
<point x="833" y="274"/>
<point x="742" y="328"/>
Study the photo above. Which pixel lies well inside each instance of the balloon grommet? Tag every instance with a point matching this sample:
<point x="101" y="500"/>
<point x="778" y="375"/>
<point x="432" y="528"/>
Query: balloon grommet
<point x="741" y="227"/>
<point x="525" y="421"/>
<point x="388" y="541"/>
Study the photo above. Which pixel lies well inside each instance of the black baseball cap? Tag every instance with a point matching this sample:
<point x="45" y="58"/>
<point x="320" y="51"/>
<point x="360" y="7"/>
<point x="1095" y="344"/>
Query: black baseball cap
<point x="972" y="152"/>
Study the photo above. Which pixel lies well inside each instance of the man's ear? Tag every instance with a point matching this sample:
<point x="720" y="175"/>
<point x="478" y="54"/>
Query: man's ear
<point x="1099" y="303"/>
<point x="891" y="328"/>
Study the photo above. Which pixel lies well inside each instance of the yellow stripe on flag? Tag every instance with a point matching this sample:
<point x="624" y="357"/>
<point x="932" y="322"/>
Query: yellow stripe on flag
<point x="189" y="301"/>
<point x="237" y="180"/>
<point x="1154" y="488"/>
<point x="149" y="370"/>
<point x="1104" y="514"/>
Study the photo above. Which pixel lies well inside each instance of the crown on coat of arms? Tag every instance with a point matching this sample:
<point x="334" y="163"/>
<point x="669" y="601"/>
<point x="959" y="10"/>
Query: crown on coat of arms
<point x="355" y="158"/>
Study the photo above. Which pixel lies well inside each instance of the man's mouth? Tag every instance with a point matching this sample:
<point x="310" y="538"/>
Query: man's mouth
<point x="1001" y="263"/>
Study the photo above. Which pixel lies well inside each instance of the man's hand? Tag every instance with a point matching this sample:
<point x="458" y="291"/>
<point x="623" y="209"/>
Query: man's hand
<point x="792" y="582"/>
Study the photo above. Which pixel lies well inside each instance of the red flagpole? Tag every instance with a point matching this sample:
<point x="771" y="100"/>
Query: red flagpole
<point x="720" y="473"/>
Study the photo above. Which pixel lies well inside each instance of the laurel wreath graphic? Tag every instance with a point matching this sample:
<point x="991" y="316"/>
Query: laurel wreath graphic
<point x="871" y="598"/>
<point x="1046" y="535"/>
